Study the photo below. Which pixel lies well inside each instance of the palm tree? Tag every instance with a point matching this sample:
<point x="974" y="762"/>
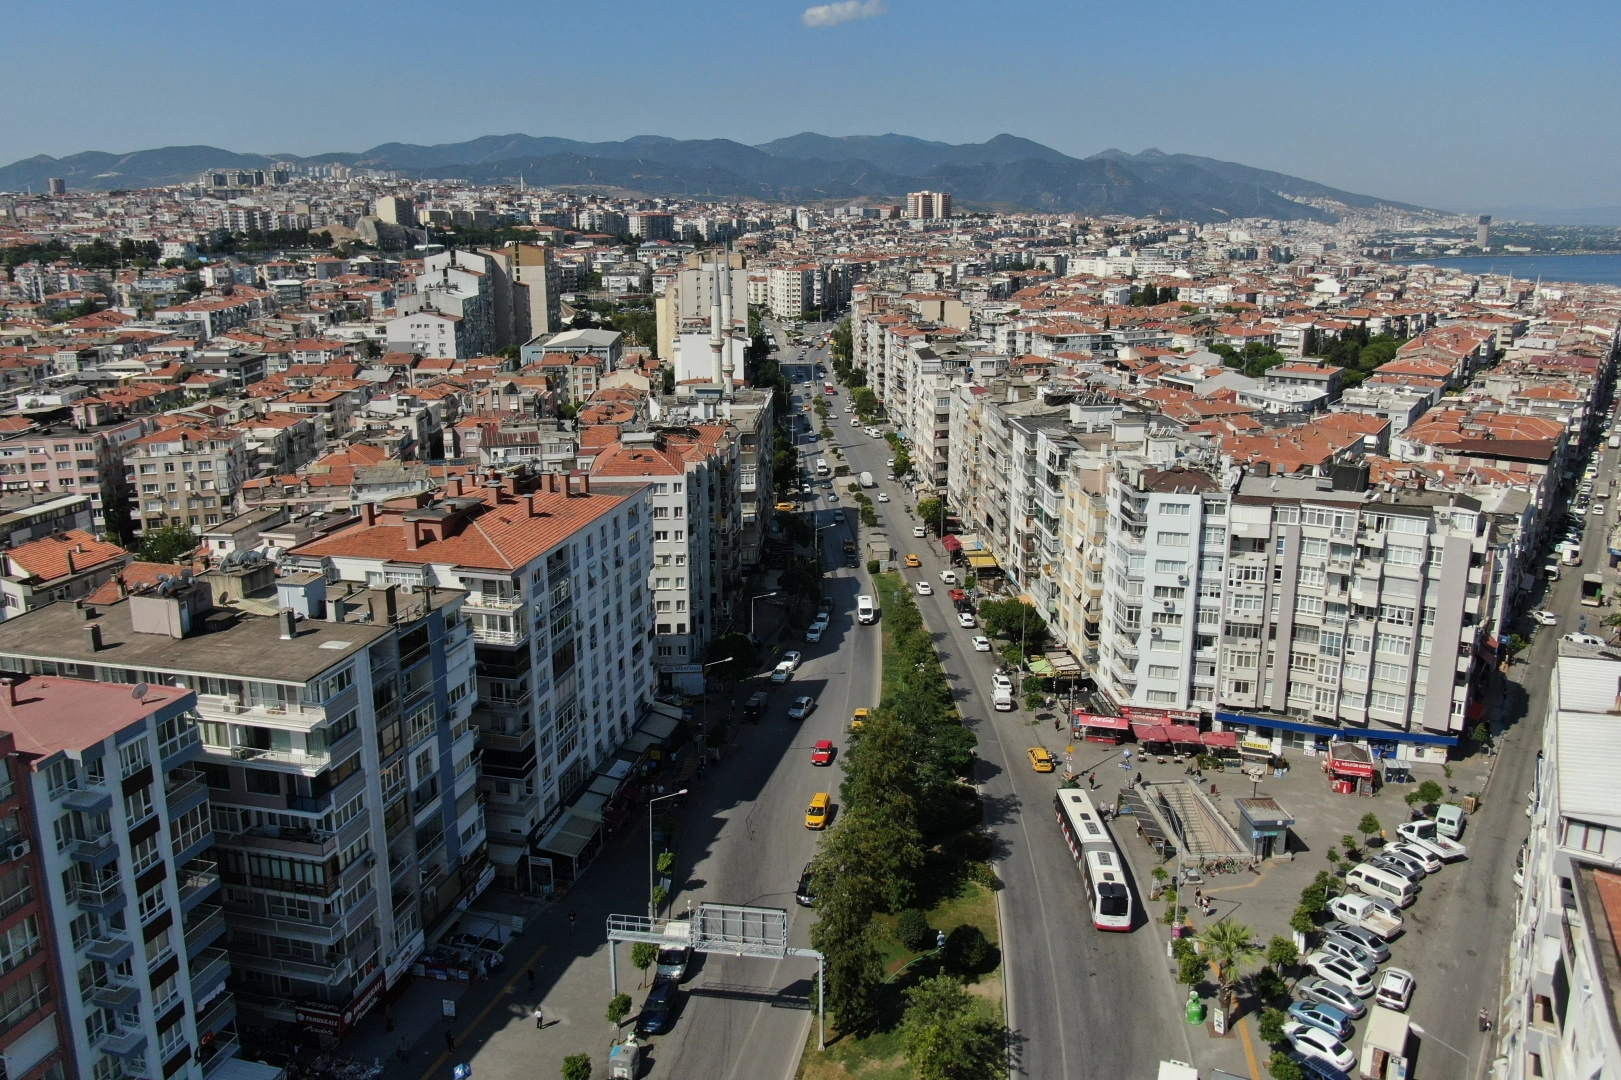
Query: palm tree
<point x="1231" y="948"/>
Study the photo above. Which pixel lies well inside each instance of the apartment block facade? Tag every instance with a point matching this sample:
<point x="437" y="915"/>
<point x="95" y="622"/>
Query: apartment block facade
<point x="185" y="476"/>
<point x="555" y="570"/>
<point x="123" y="832"/>
<point x="334" y="749"/>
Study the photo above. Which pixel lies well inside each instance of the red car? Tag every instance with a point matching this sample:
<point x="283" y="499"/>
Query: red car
<point x="822" y="752"/>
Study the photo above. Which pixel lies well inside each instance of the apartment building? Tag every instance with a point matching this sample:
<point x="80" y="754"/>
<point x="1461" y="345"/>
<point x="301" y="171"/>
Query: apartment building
<point x="925" y="205"/>
<point x="185" y="475"/>
<point x="333" y="742"/>
<point x="923" y="414"/>
<point x="691" y="292"/>
<point x="794" y="289"/>
<point x="85" y="460"/>
<point x="1352" y="613"/>
<point x="1558" y="1019"/>
<point x="35" y="1037"/>
<point x="433" y="335"/>
<point x="471" y="286"/>
<point x="122" y="832"/>
<point x="63" y="566"/>
<point x="555" y="567"/>
<point x="696" y="508"/>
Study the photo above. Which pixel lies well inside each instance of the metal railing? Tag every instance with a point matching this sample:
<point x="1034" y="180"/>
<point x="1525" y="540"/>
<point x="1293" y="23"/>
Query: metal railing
<point x="211" y="964"/>
<point x="197" y="876"/>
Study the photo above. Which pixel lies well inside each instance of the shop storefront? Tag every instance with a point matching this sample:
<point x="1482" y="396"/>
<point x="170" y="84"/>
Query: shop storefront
<point x="1094" y="727"/>
<point x="1266" y="737"/>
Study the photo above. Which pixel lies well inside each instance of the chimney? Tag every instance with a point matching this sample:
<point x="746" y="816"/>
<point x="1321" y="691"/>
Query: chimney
<point x="585" y="483"/>
<point x="391" y="603"/>
<point x="336" y="609"/>
<point x="368" y="514"/>
<point x="92" y="637"/>
<point x="509" y="485"/>
<point x="413" y="536"/>
<point x="456" y="486"/>
<point x="288" y="622"/>
<point x="11" y="690"/>
<point x="71" y="568"/>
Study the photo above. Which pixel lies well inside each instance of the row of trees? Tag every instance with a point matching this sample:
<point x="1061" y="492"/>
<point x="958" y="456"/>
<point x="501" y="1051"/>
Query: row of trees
<point x="905" y="831"/>
<point x="1355" y="351"/>
<point x="1253" y="360"/>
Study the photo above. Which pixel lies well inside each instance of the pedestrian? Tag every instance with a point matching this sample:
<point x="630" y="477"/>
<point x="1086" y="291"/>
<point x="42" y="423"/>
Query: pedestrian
<point x="531" y="978"/>
<point x="571" y="922"/>
<point x="450" y="1040"/>
<point x="540" y="1021"/>
<point x="1213" y="789"/>
<point x="1092" y="781"/>
<point x="1484" y="1020"/>
<point x="1137" y="782"/>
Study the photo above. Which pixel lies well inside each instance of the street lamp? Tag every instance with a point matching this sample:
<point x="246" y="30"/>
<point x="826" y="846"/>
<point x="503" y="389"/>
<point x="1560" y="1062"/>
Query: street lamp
<point x="752" y="599"/>
<point x="651" y="911"/>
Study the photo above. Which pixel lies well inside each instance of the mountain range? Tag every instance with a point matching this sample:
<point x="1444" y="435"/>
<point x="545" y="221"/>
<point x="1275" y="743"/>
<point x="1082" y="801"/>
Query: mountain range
<point x="1006" y="172"/>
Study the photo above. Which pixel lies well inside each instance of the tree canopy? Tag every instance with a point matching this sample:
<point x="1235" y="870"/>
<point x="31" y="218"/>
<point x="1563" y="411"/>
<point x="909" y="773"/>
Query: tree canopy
<point x="170" y="544"/>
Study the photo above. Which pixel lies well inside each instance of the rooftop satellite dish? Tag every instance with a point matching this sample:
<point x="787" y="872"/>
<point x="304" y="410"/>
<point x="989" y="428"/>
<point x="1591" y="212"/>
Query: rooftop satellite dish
<point x="138" y="691"/>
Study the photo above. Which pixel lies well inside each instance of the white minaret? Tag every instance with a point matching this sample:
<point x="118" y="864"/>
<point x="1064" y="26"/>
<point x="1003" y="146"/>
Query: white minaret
<point x="716" y="343"/>
<point x="727" y="364"/>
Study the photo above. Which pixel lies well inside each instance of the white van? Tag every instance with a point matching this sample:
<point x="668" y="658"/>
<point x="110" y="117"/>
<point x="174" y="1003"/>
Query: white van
<point x="1376" y="882"/>
<point x="1449" y="820"/>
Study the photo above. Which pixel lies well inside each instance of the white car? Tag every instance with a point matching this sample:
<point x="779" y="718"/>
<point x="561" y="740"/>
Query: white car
<point x="882" y="497"/>
<point x="948" y="576"/>
<point x="1345" y="972"/>
<point x="1395" y="989"/>
<point x="1582" y="639"/>
<point x="1001" y="682"/>
<point x="1598" y="510"/>
<point x="965" y="620"/>
<point x="792" y="659"/>
<point x="782" y="672"/>
<point x="1544" y="618"/>
<point x="1316" y="1043"/>
<point x="982" y="643"/>
<point x="801" y="708"/>
<point x="890" y="463"/>
<point x="1424" y="834"/>
<point x="1424" y="857"/>
<point x="919" y="531"/>
<point x="925" y="589"/>
<point x="814" y="634"/>
<point x="855" y="421"/>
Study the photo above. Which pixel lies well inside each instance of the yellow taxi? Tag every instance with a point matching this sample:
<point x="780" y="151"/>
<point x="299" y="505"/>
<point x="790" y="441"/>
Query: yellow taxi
<point x="816" y="813"/>
<point x="913" y="560"/>
<point x="785" y="507"/>
<point x="858" y="719"/>
<point x="1041" y="760"/>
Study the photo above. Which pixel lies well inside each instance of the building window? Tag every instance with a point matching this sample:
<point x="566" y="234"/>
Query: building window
<point x="19" y="943"/>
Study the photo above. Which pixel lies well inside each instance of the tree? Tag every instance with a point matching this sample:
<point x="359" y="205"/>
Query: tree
<point x="912" y="929"/>
<point x="967" y="952"/>
<point x="1369" y="826"/>
<point x="903" y="462"/>
<point x="170" y="544"/>
<point x="947" y="1035"/>
<point x="618" y="1009"/>
<point x="643" y="955"/>
<point x="931" y="511"/>
<point x="1301" y="921"/>
<point x="1426" y="794"/>
<point x="741" y="651"/>
<point x="577" y="1067"/>
<point x="1016" y="621"/>
<point x="1271" y="1026"/>
<point x="1283" y="1067"/>
<point x="1281" y="952"/>
<point x="1230" y="947"/>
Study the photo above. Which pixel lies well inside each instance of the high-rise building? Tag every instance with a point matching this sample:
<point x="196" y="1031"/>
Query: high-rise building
<point x="652" y="224"/>
<point x="121" y="826"/>
<point x="927" y="205"/>
<point x="1483" y="231"/>
<point x="56" y="185"/>
<point x="332" y="739"/>
<point x="396" y="210"/>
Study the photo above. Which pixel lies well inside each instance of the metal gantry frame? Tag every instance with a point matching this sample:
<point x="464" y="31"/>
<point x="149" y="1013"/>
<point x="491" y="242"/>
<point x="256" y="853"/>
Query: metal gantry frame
<point x="723" y="929"/>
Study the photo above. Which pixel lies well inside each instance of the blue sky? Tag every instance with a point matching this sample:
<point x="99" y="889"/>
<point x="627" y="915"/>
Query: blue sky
<point x="1459" y="105"/>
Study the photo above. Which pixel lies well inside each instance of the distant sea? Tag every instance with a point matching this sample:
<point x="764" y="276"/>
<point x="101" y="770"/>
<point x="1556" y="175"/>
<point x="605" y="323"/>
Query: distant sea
<point x="1585" y="269"/>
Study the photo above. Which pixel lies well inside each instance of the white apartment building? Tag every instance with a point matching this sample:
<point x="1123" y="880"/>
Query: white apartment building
<point x="794" y="290"/>
<point x="124" y="835"/>
<point x="1559" y="1019"/>
<point x="555" y="568"/>
<point x="186" y="476"/>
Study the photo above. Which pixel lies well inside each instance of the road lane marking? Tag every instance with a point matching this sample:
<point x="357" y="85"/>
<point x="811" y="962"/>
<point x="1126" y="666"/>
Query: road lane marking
<point x="479" y="1019"/>
<point x="1249" y="1049"/>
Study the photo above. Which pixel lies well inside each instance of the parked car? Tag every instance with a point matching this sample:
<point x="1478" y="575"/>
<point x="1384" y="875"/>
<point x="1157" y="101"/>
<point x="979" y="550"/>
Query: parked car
<point x="949" y="577"/>
<point x="1316" y="1043"/>
<point x="822" y="752"/>
<point x="673" y="963"/>
<point x="1326" y="1017"/>
<point x="1370" y="942"/>
<point x="925" y="589"/>
<point x="1424" y="834"/>
<point x="1331" y="993"/>
<point x="1544" y="618"/>
<point x="1583" y="639"/>
<point x="1396" y="862"/>
<point x="1347" y="949"/>
<point x="982" y="643"/>
<point x="792" y="656"/>
<point x="1427" y="859"/>
<point x="965" y="619"/>
<point x="658" y="1010"/>
<point x="802" y="707"/>
<point x="803" y="894"/>
<point x="919" y="531"/>
<point x="1396" y="987"/>
<point x="1001" y="682"/>
<point x="782" y="672"/>
<point x="1338" y="969"/>
<point x="814" y="632"/>
<point x="882" y="497"/>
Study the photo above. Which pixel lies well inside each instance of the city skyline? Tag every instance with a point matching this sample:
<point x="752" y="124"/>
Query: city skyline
<point x="1334" y="117"/>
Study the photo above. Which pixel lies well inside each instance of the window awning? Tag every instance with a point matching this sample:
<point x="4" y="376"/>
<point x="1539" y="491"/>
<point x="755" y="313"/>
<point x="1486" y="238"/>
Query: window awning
<point x="1183" y="733"/>
<point x="1150" y="733"/>
<point x="1224" y="740"/>
<point x="1422" y="738"/>
<point x="1039" y="666"/>
<point x="951" y="543"/>
<point x="1096" y="720"/>
<point x="982" y="562"/>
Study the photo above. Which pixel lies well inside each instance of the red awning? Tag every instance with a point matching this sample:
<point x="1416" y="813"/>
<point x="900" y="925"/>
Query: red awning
<point x="950" y="543"/>
<point x="1351" y="767"/>
<point x="1183" y="733"/>
<point x="1096" y="720"/>
<point x="1227" y="740"/>
<point x="1150" y="733"/>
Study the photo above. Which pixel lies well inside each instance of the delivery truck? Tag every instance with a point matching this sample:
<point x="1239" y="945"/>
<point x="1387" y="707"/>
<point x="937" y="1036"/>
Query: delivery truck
<point x="867" y="481"/>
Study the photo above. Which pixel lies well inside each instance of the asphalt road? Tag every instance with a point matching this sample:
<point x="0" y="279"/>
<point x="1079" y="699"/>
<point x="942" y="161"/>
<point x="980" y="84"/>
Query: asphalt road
<point x="1081" y="1003"/>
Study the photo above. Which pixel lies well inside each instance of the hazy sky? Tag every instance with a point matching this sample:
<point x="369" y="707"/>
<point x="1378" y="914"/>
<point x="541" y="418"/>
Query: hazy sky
<point x="1459" y="105"/>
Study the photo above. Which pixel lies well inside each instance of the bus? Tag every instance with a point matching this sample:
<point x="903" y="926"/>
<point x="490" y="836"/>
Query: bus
<point x="822" y="470"/>
<point x="829" y="388"/>
<point x="1108" y="897"/>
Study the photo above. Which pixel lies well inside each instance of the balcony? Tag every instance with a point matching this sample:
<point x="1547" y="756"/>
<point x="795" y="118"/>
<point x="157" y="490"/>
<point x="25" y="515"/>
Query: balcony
<point x="96" y="853"/>
<point x="185" y="794"/>
<point x="103" y="898"/>
<point x="203" y="928"/>
<point x="88" y="800"/>
<point x="121" y="1042"/>
<point x="227" y="708"/>
<point x="116" y="993"/>
<point x="180" y="749"/>
<point x="223" y="1050"/>
<point x="327" y="928"/>
<point x="197" y="880"/>
<point x="219" y="1012"/>
<point x="494" y="603"/>
<point x="500" y="740"/>
<point x="110" y="950"/>
<point x="209" y="972"/>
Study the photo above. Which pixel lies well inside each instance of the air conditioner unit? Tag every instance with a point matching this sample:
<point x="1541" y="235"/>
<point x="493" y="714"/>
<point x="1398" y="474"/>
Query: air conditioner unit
<point x="17" y="851"/>
<point x="1181" y="579"/>
<point x="1154" y="631"/>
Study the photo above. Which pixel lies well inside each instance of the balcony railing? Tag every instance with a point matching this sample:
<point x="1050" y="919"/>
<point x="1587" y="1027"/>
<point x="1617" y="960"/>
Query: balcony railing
<point x="203" y="926"/>
<point x="224" y="1050"/>
<point x="185" y="790"/>
<point x="98" y="896"/>
<point x="101" y="849"/>
<point x="220" y="1012"/>
<point x="227" y="707"/>
<point x="494" y="603"/>
<point x="209" y="970"/>
<point x="196" y="879"/>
